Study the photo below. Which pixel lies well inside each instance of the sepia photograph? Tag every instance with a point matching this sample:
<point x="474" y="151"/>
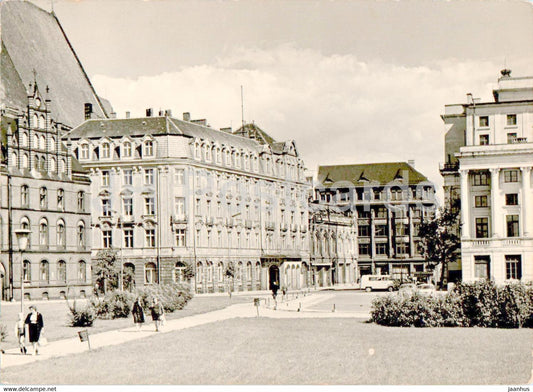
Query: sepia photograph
<point x="256" y="194"/>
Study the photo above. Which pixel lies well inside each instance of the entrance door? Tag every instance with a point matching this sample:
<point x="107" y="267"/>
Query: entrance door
<point x="273" y="276"/>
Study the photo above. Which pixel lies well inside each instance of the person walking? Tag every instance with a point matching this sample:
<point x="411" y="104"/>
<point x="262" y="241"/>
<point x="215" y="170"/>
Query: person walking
<point x="35" y="323"/>
<point x="20" y="333"/>
<point x="157" y="313"/>
<point x="138" y="313"/>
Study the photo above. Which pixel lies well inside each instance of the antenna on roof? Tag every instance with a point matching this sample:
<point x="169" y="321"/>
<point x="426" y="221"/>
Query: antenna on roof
<point x="242" y="107"/>
<point x="52" y="5"/>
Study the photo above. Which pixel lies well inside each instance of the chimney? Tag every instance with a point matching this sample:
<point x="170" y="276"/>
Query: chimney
<point x="160" y="113"/>
<point x="411" y="162"/>
<point x="88" y="110"/>
<point x="202" y="121"/>
<point x="168" y="113"/>
<point x="113" y="115"/>
<point x="186" y="116"/>
<point x="149" y="112"/>
<point x="127" y="114"/>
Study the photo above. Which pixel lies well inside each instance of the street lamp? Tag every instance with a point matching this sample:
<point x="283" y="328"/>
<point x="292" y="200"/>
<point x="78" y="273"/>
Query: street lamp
<point x="23" y="236"/>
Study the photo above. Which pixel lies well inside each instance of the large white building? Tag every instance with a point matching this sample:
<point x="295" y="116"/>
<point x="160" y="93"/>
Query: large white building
<point x="490" y="156"/>
<point x="171" y="195"/>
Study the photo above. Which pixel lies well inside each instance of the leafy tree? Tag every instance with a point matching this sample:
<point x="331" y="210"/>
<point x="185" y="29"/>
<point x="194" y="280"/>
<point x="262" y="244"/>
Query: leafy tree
<point x="440" y="239"/>
<point x="106" y="271"/>
<point x="188" y="272"/>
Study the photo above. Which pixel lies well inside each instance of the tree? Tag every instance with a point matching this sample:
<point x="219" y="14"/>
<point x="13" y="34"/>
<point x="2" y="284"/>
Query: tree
<point x="440" y="239"/>
<point x="106" y="270"/>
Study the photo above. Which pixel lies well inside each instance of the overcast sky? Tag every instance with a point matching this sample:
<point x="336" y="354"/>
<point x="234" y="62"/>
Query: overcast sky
<point x="349" y="81"/>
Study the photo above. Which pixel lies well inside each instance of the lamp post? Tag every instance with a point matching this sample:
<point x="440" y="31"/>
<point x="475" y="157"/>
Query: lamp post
<point x="22" y="240"/>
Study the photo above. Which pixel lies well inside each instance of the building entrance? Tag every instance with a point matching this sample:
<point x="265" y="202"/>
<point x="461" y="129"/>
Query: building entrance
<point x="273" y="276"/>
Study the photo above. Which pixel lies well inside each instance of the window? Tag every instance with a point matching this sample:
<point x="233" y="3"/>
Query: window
<point x="148" y="148"/>
<point x="26" y="271"/>
<point x="128" y="176"/>
<point x="511" y="138"/>
<point x="511" y="119"/>
<point x="107" y="238"/>
<point x="207" y="152"/>
<point x="512" y="226"/>
<point x="364" y="249"/>
<point x="484" y="140"/>
<point x="381" y="249"/>
<point x="53" y="165"/>
<point x="61" y="200"/>
<point x="106" y="207"/>
<point x="510" y="175"/>
<point x="62" y="271"/>
<point x="381" y="230"/>
<point x="43" y="233"/>
<point x="60" y="230"/>
<point x="84" y="151"/>
<point x="381" y="212"/>
<point x="402" y="249"/>
<point x="179" y="272"/>
<point x="105" y="177"/>
<point x="513" y="267"/>
<point x="482" y="267"/>
<point x="81" y="201"/>
<point x="43" y="198"/>
<point x="480" y="201"/>
<point x="105" y="150"/>
<point x="149" y="177"/>
<point x="483" y="121"/>
<point x="480" y="178"/>
<point x="150" y="276"/>
<point x="180" y="238"/>
<point x="179" y="204"/>
<point x="82" y="271"/>
<point x="149" y="206"/>
<point x="482" y="227"/>
<point x="126" y="149"/>
<point x="24" y="196"/>
<point x="401" y="229"/>
<point x="150" y="238"/>
<point x="128" y="237"/>
<point x="364" y="231"/>
<point x="511" y="199"/>
<point x="44" y="271"/>
<point x="197" y="153"/>
<point x="197" y="206"/>
<point x="179" y="176"/>
<point x="127" y="204"/>
<point x="81" y="235"/>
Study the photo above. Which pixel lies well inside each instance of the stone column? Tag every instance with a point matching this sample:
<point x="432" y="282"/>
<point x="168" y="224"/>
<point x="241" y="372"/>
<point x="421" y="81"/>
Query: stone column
<point x="526" y="201"/>
<point x="495" y="205"/>
<point x="465" y="205"/>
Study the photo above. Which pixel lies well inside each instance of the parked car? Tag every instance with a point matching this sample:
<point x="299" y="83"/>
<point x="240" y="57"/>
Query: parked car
<point x="377" y="282"/>
<point x="426" y="288"/>
<point x="407" y="288"/>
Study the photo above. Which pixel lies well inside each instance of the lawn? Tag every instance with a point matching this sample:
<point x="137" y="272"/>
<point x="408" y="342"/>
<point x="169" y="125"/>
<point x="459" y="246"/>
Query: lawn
<point x="297" y="351"/>
<point x="55" y="315"/>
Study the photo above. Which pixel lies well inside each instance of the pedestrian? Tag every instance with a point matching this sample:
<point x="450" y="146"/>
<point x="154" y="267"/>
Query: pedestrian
<point x="20" y="333"/>
<point x="157" y="313"/>
<point x="138" y="313"/>
<point x="35" y="323"/>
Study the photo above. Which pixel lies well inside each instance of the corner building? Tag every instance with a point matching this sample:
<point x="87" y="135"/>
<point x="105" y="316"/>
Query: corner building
<point x="171" y="195"/>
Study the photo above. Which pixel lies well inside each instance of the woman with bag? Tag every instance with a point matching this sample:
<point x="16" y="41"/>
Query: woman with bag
<point x="157" y="313"/>
<point x="35" y="323"/>
<point x="138" y="313"/>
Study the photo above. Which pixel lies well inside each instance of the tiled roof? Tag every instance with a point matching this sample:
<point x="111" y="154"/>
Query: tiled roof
<point x="12" y="91"/>
<point x="40" y="51"/>
<point x="252" y="131"/>
<point x="369" y="173"/>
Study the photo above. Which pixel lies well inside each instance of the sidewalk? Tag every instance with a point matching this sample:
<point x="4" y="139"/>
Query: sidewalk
<point x="286" y="309"/>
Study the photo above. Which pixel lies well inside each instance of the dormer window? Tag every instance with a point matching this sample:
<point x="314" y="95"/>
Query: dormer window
<point x="228" y="158"/>
<point x="197" y="151"/>
<point x="207" y="152"/>
<point x="149" y="148"/>
<point x="84" y="151"/>
<point x="237" y="159"/>
<point x="105" y="150"/>
<point x="218" y="155"/>
<point x="126" y="149"/>
<point x="483" y="121"/>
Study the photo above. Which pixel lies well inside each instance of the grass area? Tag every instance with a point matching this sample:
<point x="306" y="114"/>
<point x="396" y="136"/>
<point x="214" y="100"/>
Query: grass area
<point x="55" y="315"/>
<point x="297" y="351"/>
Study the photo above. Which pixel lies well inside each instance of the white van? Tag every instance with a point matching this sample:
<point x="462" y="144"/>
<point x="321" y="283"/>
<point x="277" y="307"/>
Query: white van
<point x="377" y="282"/>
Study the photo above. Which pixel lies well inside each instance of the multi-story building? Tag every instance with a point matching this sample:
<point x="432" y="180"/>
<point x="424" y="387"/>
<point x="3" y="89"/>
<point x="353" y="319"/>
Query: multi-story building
<point x="44" y="92"/>
<point x="169" y="194"/>
<point x="489" y="165"/>
<point x="389" y="200"/>
<point x="333" y="244"/>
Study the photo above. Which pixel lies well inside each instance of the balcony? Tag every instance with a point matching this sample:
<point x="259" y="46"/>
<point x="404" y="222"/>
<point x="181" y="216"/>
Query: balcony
<point x="209" y="221"/>
<point x="519" y="140"/>
<point x="484" y="243"/>
<point x="449" y="167"/>
<point x="230" y="222"/>
<point x="179" y="219"/>
<point x="270" y="226"/>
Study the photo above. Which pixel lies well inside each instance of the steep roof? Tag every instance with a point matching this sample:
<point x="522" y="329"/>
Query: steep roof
<point x="252" y="131"/>
<point x="369" y="173"/>
<point x="39" y="50"/>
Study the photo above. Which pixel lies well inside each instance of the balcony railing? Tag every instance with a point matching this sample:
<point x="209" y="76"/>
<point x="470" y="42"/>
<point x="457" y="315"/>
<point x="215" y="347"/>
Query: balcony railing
<point x="452" y="167"/>
<point x="479" y="243"/>
<point x="270" y="226"/>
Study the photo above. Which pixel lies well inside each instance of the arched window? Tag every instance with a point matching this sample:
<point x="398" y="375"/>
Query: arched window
<point x="42" y="142"/>
<point x="179" y="272"/>
<point x="15" y="159"/>
<point x="42" y="164"/>
<point x="62" y="271"/>
<point x="53" y="165"/>
<point x="35" y="121"/>
<point x="249" y="271"/>
<point x="220" y="272"/>
<point x="43" y="198"/>
<point x="207" y="149"/>
<point x="24" y="140"/>
<point x="150" y="275"/>
<point x="62" y="166"/>
<point x="81" y="201"/>
<point x="209" y="271"/>
<point x="80" y="234"/>
<point x="106" y="150"/>
<point x="126" y="149"/>
<point x="36" y="162"/>
<point x="129" y="276"/>
<point x="197" y="151"/>
<point x="44" y="272"/>
<point x="42" y="122"/>
<point x="52" y="144"/>
<point x="26" y="271"/>
<point x="61" y="234"/>
<point x="61" y="200"/>
<point x="199" y="271"/>
<point x="24" y="196"/>
<point x="43" y="232"/>
<point x="25" y="161"/>
<point x="82" y="271"/>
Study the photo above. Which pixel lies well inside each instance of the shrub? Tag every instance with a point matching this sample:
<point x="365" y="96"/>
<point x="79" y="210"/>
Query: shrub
<point x="173" y="296"/>
<point x="515" y="306"/>
<point x="116" y="304"/>
<point x="81" y="317"/>
<point x="479" y="301"/>
<point x="3" y="332"/>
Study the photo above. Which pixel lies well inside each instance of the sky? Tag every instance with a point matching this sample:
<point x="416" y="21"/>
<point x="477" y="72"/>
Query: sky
<point x="348" y="81"/>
